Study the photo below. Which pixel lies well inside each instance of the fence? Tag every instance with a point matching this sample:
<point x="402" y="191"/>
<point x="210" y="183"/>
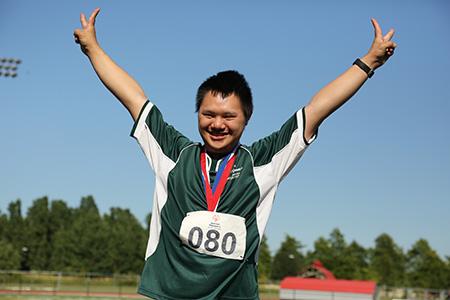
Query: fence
<point x="393" y="293"/>
<point x="68" y="284"/>
<point x="125" y="286"/>
<point x="55" y="285"/>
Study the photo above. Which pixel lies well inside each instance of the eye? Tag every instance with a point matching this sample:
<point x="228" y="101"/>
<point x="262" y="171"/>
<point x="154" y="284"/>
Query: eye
<point x="229" y="117"/>
<point x="208" y="115"/>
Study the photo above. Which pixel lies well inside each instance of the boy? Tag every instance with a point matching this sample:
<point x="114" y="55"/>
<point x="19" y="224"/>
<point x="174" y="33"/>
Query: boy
<point x="212" y="200"/>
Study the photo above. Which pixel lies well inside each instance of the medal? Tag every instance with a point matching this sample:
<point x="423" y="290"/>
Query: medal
<point x="213" y="194"/>
<point x="210" y="232"/>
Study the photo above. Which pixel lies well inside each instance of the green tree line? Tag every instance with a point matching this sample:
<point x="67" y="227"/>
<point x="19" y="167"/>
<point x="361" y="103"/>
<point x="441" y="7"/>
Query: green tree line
<point x="386" y="262"/>
<point x="55" y="237"/>
<point x="52" y="236"/>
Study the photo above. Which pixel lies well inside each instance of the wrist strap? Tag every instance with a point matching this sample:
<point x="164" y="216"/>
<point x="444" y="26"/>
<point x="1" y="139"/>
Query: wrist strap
<point x="364" y="67"/>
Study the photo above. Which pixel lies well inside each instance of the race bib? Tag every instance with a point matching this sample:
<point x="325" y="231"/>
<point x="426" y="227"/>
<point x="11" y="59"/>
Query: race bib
<point x="215" y="234"/>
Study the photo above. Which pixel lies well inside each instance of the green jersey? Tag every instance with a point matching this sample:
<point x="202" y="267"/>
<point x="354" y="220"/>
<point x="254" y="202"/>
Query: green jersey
<point x="173" y="268"/>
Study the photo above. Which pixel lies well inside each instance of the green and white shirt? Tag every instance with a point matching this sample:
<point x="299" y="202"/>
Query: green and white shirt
<point x="172" y="269"/>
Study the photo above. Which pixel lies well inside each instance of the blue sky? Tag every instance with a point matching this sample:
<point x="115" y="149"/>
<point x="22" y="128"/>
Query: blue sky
<point x="380" y="164"/>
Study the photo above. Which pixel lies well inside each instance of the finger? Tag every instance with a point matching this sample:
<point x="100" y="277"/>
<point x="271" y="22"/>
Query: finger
<point x="377" y="28"/>
<point x="93" y="16"/>
<point x="83" y="20"/>
<point x="390" y="44"/>
<point x="75" y="37"/>
<point x="389" y="35"/>
<point x="390" y="50"/>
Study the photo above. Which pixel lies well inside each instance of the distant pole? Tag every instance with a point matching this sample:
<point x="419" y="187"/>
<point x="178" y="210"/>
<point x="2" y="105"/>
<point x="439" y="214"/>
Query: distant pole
<point x="9" y="67"/>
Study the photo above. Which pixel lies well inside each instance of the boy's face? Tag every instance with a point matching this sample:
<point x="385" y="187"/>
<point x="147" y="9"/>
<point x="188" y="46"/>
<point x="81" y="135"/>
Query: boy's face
<point x="221" y="122"/>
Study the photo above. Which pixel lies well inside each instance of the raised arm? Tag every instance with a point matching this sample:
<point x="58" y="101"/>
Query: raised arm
<point x="337" y="92"/>
<point x="118" y="82"/>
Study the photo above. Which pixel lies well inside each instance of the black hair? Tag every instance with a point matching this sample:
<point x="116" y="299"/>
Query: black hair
<point x="227" y="83"/>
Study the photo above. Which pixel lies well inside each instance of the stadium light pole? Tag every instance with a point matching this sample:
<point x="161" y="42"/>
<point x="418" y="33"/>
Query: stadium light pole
<point x="9" y="67"/>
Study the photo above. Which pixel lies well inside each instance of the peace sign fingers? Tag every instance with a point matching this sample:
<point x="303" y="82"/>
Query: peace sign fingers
<point x="93" y="16"/>
<point x="382" y="46"/>
<point x="86" y="36"/>
<point x="389" y="35"/>
<point x="377" y="29"/>
<point x="83" y="21"/>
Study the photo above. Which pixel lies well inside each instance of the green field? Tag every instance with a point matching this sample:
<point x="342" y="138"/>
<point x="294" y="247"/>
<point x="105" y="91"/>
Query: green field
<point x="59" y="286"/>
<point x="264" y="296"/>
<point x="29" y="297"/>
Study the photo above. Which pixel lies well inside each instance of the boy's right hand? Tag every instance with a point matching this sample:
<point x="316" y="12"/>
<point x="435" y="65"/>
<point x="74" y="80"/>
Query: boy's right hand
<point x="86" y="35"/>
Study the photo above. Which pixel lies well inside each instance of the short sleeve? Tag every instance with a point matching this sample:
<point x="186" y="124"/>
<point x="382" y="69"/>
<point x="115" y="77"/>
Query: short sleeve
<point x="281" y="150"/>
<point x="158" y="140"/>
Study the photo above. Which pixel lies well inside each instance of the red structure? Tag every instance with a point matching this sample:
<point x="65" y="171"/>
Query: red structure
<point x="317" y="270"/>
<point x="320" y="284"/>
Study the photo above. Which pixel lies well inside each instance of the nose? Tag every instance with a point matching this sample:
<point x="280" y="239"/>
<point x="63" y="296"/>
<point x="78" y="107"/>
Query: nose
<point x="218" y="123"/>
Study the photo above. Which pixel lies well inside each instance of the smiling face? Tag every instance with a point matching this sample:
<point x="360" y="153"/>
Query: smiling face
<point x="221" y="122"/>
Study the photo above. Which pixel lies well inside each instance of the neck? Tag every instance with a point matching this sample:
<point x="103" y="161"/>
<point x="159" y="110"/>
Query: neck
<point x="215" y="155"/>
<point x="218" y="155"/>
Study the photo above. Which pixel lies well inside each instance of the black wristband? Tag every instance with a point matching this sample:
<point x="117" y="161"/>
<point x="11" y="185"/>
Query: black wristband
<point x="364" y="67"/>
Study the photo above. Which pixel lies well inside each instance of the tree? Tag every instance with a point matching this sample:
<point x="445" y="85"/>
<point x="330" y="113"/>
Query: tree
<point x="61" y="216"/>
<point x="60" y="219"/>
<point x="447" y="271"/>
<point x="288" y="260"/>
<point x="345" y="261"/>
<point x="332" y="253"/>
<point x="15" y="232"/>
<point x="64" y="251"/>
<point x="83" y="246"/>
<point x="264" y="260"/>
<point x="3" y="226"/>
<point x="388" y="261"/>
<point x="9" y="256"/>
<point x="322" y="252"/>
<point x="38" y="234"/>
<point x="340" y="265"/>
<point x="125" y="242"/>
<point x="424" y="267"/>
<point x="358" y="262"/>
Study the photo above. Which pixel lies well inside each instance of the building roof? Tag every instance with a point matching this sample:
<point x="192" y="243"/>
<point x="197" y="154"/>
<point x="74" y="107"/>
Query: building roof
<point x="329" y="285"/>
<point x="317" y="270"/>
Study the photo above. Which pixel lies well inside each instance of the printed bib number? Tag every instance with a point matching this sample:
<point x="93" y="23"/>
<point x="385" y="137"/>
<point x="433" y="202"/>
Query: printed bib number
<point x="215" y="234"/>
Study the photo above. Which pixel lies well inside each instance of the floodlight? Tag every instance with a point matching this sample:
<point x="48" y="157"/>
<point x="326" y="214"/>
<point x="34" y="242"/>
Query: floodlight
<point x="9" y="66"/>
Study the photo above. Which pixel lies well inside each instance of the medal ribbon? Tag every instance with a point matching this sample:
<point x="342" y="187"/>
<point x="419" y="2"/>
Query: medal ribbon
<point x="213" y="195"/>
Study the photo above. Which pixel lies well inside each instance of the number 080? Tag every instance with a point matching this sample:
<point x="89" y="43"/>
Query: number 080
<point x="212" y="241"/>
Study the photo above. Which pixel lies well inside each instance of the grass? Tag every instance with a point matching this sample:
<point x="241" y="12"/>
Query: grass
<point x="263" y="296"/>
<point x="30" y="297"/>
<point x="42" y="286"/>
